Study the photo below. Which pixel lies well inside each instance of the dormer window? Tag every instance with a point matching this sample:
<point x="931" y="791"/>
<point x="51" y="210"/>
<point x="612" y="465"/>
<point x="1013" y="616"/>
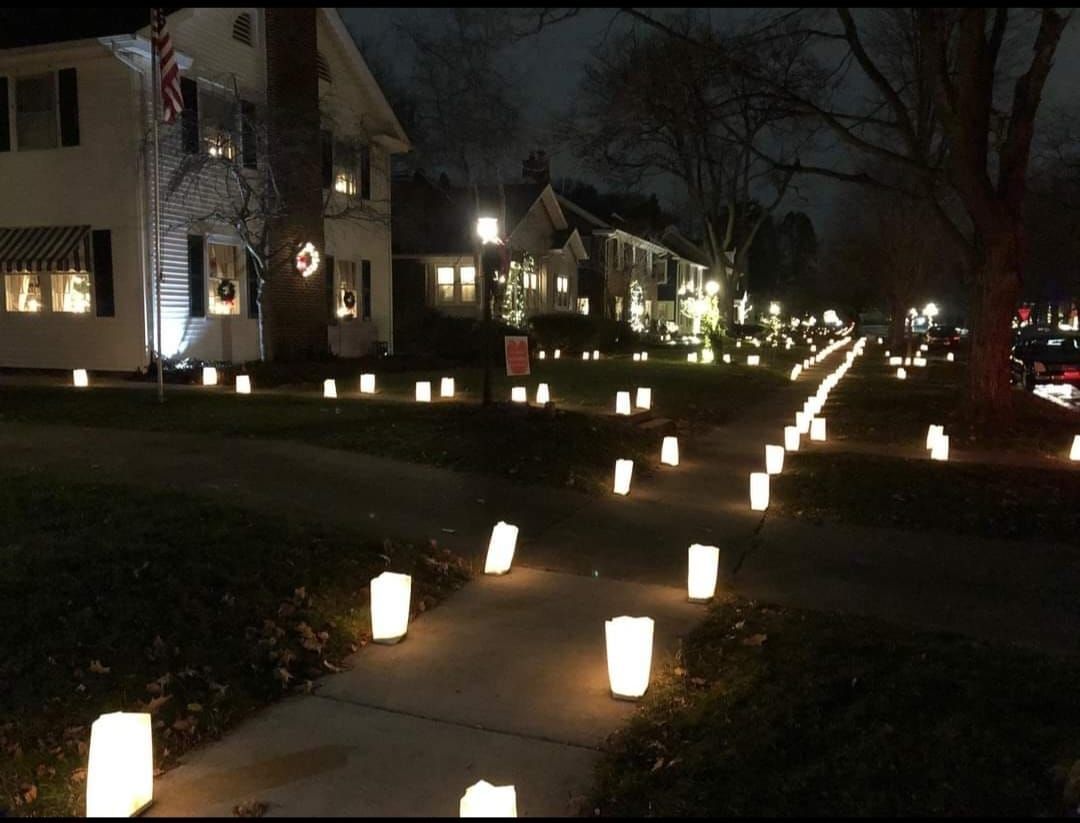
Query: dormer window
<point x="241" y="30"/>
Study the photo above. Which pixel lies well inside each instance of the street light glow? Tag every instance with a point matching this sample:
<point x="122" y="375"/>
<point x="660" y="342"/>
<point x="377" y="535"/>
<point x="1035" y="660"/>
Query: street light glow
<point x="711" y="288"/>
<point x="930" y="310"/>
<point x="487" y="229"/>
<point x="774" y="309"/>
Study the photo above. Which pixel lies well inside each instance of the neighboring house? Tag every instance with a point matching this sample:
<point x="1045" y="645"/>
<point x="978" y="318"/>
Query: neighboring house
<point x="76" y="244"/>
<point x="434" y="252"/>
<point x="685" y="283"/>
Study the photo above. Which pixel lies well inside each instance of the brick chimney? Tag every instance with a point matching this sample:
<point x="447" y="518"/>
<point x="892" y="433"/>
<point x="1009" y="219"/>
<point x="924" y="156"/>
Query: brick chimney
<point x="295" y="308"/>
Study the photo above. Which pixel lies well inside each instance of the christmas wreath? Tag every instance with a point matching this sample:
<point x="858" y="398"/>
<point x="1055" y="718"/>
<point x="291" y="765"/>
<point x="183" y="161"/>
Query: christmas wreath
<point x="349" y="299"/>
<point x="226" y="291"/>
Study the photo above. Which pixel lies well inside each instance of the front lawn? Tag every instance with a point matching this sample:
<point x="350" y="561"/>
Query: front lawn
<point x="115" y="598"/>
<point x="782" y="712"/>
<point x="965" y="498"/>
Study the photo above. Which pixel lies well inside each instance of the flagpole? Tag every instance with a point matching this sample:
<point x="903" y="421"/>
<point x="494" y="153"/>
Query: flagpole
<point x="156" y="75"/>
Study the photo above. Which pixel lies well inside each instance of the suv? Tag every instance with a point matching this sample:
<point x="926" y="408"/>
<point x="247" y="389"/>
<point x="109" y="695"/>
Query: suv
<point x="942" y="337"/>
<point x="1049" y="357"/>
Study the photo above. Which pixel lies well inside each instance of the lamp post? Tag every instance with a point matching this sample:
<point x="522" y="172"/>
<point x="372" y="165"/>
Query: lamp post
<point x="487" y="232"/>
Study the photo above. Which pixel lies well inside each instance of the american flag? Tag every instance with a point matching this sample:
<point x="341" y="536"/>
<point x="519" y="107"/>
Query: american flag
<point x="172" y="102"/>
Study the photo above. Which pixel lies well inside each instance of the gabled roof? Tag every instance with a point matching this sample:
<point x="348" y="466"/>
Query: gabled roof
<point x="582" y="219"/>
<point x="683" y="247"/>
<point x="20" y="27"/>
<point x="570" y="237"/>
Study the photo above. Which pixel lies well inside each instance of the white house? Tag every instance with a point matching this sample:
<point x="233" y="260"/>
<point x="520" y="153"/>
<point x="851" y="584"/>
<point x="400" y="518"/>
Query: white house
<point x="76" y="231"/>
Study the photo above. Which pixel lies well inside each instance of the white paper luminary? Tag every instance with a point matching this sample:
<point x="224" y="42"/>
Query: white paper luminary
<point x="501" y="547"/>
<point x="629" y="655"/>
<point x="120" y="771"/>
<point x="702" y="571"/>
<point x="390" y="596"/>
<point x="669" y="451"/>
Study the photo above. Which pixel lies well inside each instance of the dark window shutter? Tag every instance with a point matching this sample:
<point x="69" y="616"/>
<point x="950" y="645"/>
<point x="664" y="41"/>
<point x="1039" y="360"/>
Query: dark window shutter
<point x="196" y="278"/>
<point x="365" y="288"/>
<point x="253" y="286"/>
<point x="5" y="124"/>
<point x="69" y="107"/>
<point x="104" y="301"/>
<point x="327" y="159"/>
<point x="248" y="139"/>
<point x="365" y="172"/>
<point x="189" y="119"/>
<point x="331" y="297"/>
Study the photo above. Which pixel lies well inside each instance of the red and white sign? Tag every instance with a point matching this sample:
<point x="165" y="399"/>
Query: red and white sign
<point x="517" y="356"/>
<point x="1024" y="312"/>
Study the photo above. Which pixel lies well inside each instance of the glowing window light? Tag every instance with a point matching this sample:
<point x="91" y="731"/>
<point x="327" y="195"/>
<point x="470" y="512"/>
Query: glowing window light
<point x="629" y="655"/>
<point x="329" y="389"/>
<point x="543" y="396"/>
<point x="643" y="399"/>
<point x="596" y="354"/>
<point x="901" y="374"/>
<point x="940" y="451"/>
<point x="243" y="384"/>
<point x="558" y="353"/>
<point x="543" y="354"/>
<point x="501" y="548"/>
<point x="703" y="568"/>
<point x="726" y="358"/>
<point x="484" y="800"/>
<point x="209" y="376"/>
<point x="80" y="378"/>
<point x="932" y="434"/>
<point x="624" y="470"/>
<point x="1074" y="453"/>
<point x="120" y="771"/>
<point x="446" y="387"/>
<point x="950" y="357"/>
<point x="817" y="429"/>
<point x="390" y="595"/>
<point x="774" y="459"/>
<point x="423" y="391"/>
<point x="637" y="357"/>
<point x="584" y="355"/>
<point x="759" y="491"/>
<point x="669" y="451"/>
<point x="367" y="384"/>
<point x="519" y="394"/>
<point x="791" y="438"/>
<point x="691" y="357"/>
<point x="622" y="402"/>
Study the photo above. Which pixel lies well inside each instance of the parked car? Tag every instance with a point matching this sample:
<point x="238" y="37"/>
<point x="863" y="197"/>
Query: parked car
<point x="942" y="337"/>
<point x="1046" y="358"/>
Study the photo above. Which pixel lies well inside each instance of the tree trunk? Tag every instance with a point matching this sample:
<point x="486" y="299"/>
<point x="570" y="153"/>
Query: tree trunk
<point x="995" y="290"/>
<point x="899" y="318"/>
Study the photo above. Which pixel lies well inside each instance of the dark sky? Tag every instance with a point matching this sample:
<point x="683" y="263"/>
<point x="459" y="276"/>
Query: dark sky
<point x="552" y="62"/>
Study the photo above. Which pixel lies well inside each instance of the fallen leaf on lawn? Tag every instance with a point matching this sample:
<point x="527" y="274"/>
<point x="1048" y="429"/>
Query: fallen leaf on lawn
<point x="332" y="667"/>
<point x="755" y="639"/>
<point x="657" y="765"/>
<point x="740" y="624"/>
<point x="283" y="675"/>
<point x="96" y="667"/>
<point x="78" y="776"/>
<point x="157" y="702"/>
<point x="194" y="707"/>
<point x="28" y="792"/>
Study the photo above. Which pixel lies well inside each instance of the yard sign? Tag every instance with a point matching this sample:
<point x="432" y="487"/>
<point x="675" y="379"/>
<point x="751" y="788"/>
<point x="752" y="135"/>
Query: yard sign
<point x="517" y="356"/>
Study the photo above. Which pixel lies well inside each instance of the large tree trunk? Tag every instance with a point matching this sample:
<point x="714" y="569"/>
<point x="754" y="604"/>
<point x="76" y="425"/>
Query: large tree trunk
<point x="995" y="291"/>
<point x="899" y="319"/>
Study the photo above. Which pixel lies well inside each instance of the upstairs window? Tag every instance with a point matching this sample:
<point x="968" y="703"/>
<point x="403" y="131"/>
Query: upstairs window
<point x="36" y="120"/>
<point x="218" y="123"/>
<point x="562" y="291"/>
<point x="241" y="30"/>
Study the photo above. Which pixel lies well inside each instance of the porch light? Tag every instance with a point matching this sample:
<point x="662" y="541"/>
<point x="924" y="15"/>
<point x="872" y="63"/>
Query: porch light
<point x="243" y="384"/>
<point x="446" y="387"/>
<point x="423" y="391"/>
<point x="643" y="400"/>
<point x="774" y="459"/>
<point x="209" y="376"/>
<point x="519" y="394"/>
<point x="367" y="384"/>
<point x="940" y="450"/>
<point x="702" y="571"/>
<point x="759" y="491"/>
<point x="120" y="772"/>
<point x="487" y="229"/>
<point x="501" y="548"/>
<point x="542" y="395"/>
<point x="484" y="800"/>
<point x="80" y="378"/>
<point x="817" y="429"/>
<point x="624" y="470"/>
<point x="629" y="655"/>
<point x="622" y="402"/>
<point x="669" y="451"/>
<point x="390" y="595"/>
<point x="774" y="309"/>
<point x="791" y="438"/>
<point x="329" y="389"/>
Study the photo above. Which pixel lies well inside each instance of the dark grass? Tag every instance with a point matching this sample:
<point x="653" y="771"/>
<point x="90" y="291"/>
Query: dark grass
<point x="198" y="609"/>
<point x="531" y="445"/>
<point x="835" y="715"/>
<point x="994" y="501"/>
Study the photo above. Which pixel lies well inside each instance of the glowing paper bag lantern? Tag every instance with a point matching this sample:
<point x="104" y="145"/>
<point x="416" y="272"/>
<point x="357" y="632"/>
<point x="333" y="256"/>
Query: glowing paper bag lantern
<point x="919" y="361"/>
<point x="901" y="374"/>
<point x="209" y="376"/>
<point x="501" y="548"/>
<point x="542" y="394"/>
<point x="622" y="402"/>
<point x="446" y="387"/>
<point x="896" y="361"/>
<point x="708" y="356"/>
<point x="950" y="357"/>
<point x="243" y="384"/>
<point x="596" y="354"/>
<point x="543" y="354"/>
<point x="924" y="347"/>
<point x="519" y="394"/>
<point x="367" y="384"/>
<point x="691" y="357"/>
<point x="703" y="569"/>
<point x="753" y="359"/>
<point x="629" y="655"/>
<point x="932" y="434"/>
<point x="637" y="357"/>
<point x="795" y="371"/>
<point x="558" y="353"/>
<point x="120" y="772"/>
<point x="907" y="361"/>
<point x="80" y="378"/>
<point x="329" y="389"/>
<point x="726" y="358"/>
<point x="390" y="595"/>
<point x="817" y="429"/>
<point x="1074" y="454"/>
<point x="774" y="459"/>
<point x="643" y="400"/>
<point x="624" y="470"/>
<point x="791" y="438"/>
<point x="644" y="355"/>
<point x="423" y="391"/>
<point x="940" y="451"/>
<point x="759" y="491"/>
<point x="669" y="451"/>
<point x="584" y="355"/>
<point x="484" y="800"/>
<point x="802" y="422"/>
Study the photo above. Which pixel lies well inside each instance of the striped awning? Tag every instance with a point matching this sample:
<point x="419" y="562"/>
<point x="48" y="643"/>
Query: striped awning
<point x="45" y="249"/>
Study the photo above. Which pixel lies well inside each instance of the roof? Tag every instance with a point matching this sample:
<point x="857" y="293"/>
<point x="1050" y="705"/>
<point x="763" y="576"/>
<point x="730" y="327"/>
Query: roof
<point x="581" y="219"/>
<point x="683" y="247"/>
<point x="20" y="27"/>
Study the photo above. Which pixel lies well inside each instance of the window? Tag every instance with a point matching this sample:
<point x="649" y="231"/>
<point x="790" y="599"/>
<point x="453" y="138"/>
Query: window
<point x="241" y="30"/>
<point x="223" y="273"/>
<point x="36" y="123"/>
<point x="345" y="183"/>
<point x="344" y="162"/>
<point x="71" y="292"/>
<point x="562" y="291"/>
<point x="219" y="119"/>
<point x="348" y="300"/>
<point x="365" y="288"/>
<point x="445" y="279"/>
<point x="468" y="284"/>
<point x="583" y="305"/>
<point x="24" y="293"/>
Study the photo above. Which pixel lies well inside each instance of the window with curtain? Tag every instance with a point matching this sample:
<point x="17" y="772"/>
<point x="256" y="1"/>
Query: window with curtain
<point x="445" y="284"/>
<point x="219" y="120"/>
<point x="468" y="284"/>
<point x="71" y="292"/>
<point x="36" y="122"/>
<point x="224" y="274"/>
<point x="562" y="291"/>
<point x="348" y="298"/>
<point x="23" y="293"/>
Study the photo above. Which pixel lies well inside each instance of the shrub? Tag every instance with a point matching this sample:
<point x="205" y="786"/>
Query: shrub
<point x="581" y="332"/>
